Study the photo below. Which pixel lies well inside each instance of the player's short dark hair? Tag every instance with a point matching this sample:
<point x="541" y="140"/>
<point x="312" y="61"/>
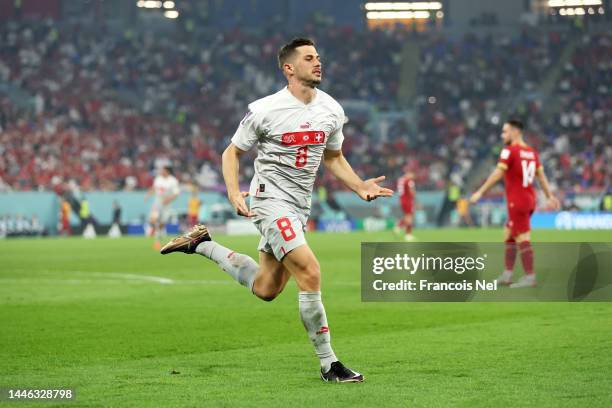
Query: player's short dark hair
<point x="516" y="123"/>
<point x="168" y="168"/>
<point x="288" y="49"/>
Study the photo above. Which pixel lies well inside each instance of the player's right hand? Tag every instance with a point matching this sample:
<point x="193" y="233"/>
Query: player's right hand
<point x="239" y="204"/>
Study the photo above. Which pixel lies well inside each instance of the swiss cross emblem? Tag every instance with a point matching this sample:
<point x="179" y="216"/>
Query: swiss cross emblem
<point x="318" y="137"/>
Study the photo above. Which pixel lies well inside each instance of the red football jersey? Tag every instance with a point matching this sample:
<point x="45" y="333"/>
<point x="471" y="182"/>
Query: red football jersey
<point x="521" y="162"/>
<point x="405" y="189"/>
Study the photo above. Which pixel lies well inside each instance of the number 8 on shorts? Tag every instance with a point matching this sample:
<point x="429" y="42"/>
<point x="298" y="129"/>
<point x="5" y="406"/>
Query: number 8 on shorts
<point x="285" y="228"/>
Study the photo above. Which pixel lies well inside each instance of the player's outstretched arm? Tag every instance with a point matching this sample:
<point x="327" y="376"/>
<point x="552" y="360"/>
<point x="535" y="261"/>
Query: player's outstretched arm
<point x="493" y="178"/>
<point x="230" y="165"/>
<point x="366" y="189"/>
<point x="553" y="202"/>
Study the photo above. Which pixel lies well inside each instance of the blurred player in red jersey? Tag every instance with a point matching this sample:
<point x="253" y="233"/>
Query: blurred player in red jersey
<point x="65" y="218"/>
<point x="193" y="209"/>
<point x="520" y="164"/>
<point x="406" y="190"/>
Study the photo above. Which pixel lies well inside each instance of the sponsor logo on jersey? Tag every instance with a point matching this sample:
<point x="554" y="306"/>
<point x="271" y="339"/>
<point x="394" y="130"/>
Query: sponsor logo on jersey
<point x="323" y="329"/>
<point x="305" y="125"/>
<point x="308" y="137"/>
<point x="505" y="153"/>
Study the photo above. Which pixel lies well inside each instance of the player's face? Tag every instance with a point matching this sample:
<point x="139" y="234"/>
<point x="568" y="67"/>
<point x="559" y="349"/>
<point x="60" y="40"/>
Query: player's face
<point x="507" y="133"/>
<point x="307" y="65"/>
<point x="164" y="172"/>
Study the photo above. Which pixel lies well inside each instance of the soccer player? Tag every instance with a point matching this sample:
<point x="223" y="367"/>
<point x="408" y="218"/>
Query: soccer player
<point x="520" y="164"/>
<point x="406" y="191"/>
<point x="463" y="210"/>
<point x="65" y="218"/>
<point x="193" y="209"/>
<point x="166" y="190"/>
<point x="293" y="129"/>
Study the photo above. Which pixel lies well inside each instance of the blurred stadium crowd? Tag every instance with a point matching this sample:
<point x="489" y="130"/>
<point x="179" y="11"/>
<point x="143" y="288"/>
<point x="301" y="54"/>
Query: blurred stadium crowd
<point x="107" y="107"/>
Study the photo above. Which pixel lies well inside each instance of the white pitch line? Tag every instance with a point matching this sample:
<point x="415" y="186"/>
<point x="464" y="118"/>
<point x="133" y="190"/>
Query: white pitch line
<point x="111" y="279"/>
<point x="157" y="279"/>
<point x="112" y="276"/>
<point x="131" y="276"/>
<point x="54" y="281"/>
<point x="118" y="276"/>
<point x="204" y="282"/>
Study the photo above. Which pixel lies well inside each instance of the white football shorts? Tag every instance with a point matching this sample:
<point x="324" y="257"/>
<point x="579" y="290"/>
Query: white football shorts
<point x="281" y="225"/>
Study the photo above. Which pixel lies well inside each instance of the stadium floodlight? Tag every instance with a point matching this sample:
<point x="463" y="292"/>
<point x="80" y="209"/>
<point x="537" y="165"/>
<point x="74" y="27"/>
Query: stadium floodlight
<point x="150" y="4"/>
<point x="171" y="14"/>
<point x="392" y="15"/>
<point x="574" y="3"/>
<point x="403" y="6"/>
<point x="168" y="4"/>
<point x="426" y="6"/>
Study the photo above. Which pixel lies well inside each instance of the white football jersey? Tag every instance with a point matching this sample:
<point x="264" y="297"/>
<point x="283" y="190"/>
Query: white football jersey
<point x="165" y="187"/>
<point x="291" y="137"/>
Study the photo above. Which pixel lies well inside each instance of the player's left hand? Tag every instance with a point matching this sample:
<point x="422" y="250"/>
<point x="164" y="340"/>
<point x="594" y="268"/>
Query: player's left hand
<point x="553" y="203"/>
<point x="370" y="190"/>
<point x="475" y="197"/>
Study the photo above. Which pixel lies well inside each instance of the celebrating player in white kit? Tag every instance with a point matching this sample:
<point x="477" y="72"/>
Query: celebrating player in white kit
<point x="166" y="189"/>
<point x="293" y="129"/>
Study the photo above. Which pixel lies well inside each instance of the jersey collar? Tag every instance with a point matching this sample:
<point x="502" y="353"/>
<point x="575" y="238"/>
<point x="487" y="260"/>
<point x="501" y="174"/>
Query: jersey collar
<point x="316" y="97"/>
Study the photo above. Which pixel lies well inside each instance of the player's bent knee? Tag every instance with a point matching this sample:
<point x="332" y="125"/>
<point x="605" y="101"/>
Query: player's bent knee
<point x="265" y="291"/>
<point x="267" y="296"/>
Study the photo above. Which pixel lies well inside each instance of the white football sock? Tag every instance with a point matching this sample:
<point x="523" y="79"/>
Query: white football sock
<point x="240" y="267"/>
<point x="313" y="316"/>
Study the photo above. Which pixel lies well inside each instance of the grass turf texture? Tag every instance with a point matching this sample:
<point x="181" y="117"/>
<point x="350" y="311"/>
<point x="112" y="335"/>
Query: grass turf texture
<point x="72" y="315"/>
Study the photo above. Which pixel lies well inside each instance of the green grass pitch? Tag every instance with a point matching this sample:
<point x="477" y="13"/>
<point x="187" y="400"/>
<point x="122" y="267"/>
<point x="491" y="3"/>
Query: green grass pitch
<point x="99" y="316"/>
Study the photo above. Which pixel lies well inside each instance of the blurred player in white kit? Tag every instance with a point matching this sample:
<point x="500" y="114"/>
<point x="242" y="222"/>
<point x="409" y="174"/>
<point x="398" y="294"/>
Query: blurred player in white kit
<point x="293" y="130"/>
<point x="165" y="190"/>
